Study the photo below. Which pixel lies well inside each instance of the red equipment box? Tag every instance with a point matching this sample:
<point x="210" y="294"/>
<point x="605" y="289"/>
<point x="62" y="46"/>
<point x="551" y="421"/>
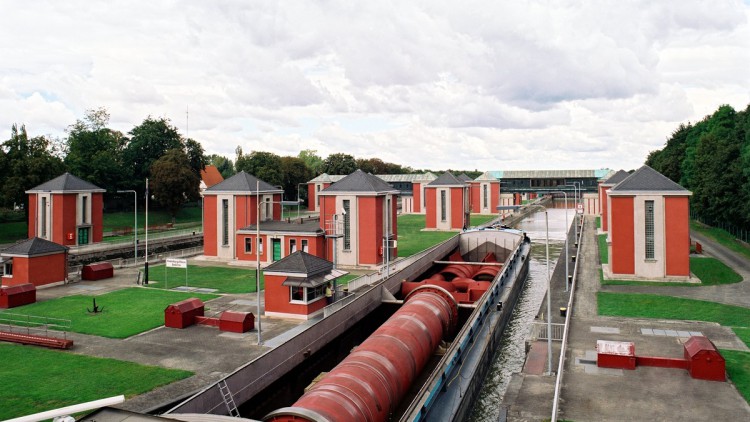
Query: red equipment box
<point x="97" y="271"/>
<point x="615" y="354"/>
<point x="182" y="314"/>
<point x="236" y="322"/>
<point x="12" y="296"/>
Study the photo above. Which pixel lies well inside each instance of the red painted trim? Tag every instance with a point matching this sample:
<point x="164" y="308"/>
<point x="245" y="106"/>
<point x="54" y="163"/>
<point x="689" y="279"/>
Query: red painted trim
<point x="210" y="231"/>
<point x="622" y="259"/>
<point x="677" y="232"/>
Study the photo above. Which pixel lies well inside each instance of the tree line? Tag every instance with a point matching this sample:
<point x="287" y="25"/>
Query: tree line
<point x="711" y="158"/>
<point x="156" y="150"/>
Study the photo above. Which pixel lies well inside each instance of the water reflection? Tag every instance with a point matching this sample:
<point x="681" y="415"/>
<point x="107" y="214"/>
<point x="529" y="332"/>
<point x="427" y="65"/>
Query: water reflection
<point x="510" y="357"/>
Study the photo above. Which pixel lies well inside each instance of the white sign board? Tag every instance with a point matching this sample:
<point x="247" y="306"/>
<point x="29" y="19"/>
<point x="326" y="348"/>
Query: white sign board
<point x="579" y="208"/>
<point x="176" y="263"/>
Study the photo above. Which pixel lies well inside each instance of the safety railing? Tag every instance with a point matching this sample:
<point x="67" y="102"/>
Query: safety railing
<point x="152" y="259"/>
<point x="564" y="345"/>
<point x="36" y="325"/>
<point x="539" y="331"/>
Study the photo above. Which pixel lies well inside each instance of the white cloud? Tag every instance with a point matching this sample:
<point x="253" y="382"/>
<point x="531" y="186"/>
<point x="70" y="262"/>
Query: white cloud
<point x="429" y="84"/>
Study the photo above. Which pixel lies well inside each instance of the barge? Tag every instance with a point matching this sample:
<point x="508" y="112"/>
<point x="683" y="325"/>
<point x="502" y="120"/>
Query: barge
<point x="426" y="362"/>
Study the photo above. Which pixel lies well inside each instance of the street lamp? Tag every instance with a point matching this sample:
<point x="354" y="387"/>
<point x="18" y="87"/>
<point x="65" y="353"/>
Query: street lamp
<point x="567" y="227"/>
<point x="549" y="282"/>
<point x="257" y="251"/>
<point x="135" y="224"/>
<point x="298" y="197"/>
<point x="145" y="257"/>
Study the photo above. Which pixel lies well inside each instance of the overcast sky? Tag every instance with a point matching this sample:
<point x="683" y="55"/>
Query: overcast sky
<point x="488" y="85"/>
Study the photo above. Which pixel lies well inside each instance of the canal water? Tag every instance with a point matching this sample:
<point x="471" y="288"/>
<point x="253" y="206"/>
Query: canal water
<point x="510" y="357"/>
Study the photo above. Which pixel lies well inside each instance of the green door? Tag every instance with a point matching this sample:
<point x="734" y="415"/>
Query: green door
<point x="83" y="236"/>
<point x="276" y="249"/>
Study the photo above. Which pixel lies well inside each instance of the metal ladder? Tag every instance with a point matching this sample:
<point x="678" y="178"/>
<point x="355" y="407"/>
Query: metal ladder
<point x="226" y="395"/>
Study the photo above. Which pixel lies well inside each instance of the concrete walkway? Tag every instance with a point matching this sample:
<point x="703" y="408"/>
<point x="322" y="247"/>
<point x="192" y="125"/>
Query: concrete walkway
<point x="737" y="294"/>
<point x="590" y="393"/>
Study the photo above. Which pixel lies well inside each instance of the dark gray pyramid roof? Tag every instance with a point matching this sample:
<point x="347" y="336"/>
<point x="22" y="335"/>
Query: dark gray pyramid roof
<point x="446" y="179"/>
<point x="34" y="246"/>
<point x="616" y="178"/>
<point x="243" y="182"/>
<point x="360" y="181"/>
<point x="301" y="263"/>
<point x="464" y="177"/>
<point x="66" y="182"/>
<point x="648" y="179"/>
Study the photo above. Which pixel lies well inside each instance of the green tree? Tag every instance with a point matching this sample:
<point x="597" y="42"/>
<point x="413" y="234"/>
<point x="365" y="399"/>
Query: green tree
<point x="95" y="152"/>
<point x="28" y="162"/>
<point x="295" y="172"/>
<point x="148" y="142"/>
<point x="339" y="163"/>
<point x="196" y="156"/>
<point x="264" y="165"/>
<point x="223" y="164"/>
<point x="312" y="160"/>
<point x="174" y="181"/>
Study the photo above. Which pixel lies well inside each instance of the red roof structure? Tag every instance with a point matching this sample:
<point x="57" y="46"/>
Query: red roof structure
<point x="211" y="176"/>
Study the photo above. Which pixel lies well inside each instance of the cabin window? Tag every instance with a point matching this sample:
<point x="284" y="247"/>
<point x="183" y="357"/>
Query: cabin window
<point x="44" y="217"/>
<point x="304" y="245"/>
<point x="484" y="195"/>
<point x="292" y="246"/>
<point x="260" y="246"/>
<point x="314" y="293"/>
<point x="224" y="222"/>
<point x="347" y="227"/>
<point x="8" y="269"/>
<point x="443" y="206"/>
<point x="297" y="294"/>
<point x="84" y="209"/>
<point x="248" y="245"/>
<point x="649" y="229"/>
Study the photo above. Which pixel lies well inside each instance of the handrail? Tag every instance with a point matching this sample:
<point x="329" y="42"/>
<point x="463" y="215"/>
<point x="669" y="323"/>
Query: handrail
<point x="563" y="346"/>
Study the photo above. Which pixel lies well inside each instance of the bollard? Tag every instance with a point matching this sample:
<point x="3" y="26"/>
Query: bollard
<point x="563" y="311"/>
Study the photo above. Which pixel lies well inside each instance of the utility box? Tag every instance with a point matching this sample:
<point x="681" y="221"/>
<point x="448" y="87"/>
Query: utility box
<point x="615" y="354"/>
<point x="12" y="296"/>
<point x="705" y="361"/>
<point x="236" y="322"/>
<point x="182" y="314"/>
<point x="97" y="271"/>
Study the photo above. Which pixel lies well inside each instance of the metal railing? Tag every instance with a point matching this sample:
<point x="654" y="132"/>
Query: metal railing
<point x="539" y="331"/>
<point x="152" y="259"/>
<point x="566" y="331"/>
<point x="36" y="325"/>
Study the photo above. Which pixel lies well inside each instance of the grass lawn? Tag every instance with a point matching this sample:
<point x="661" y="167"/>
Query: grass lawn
<point x="41" y="379"/>
<point x="124" y="219"/>
<point x="412" y="240"/>
<point x="603" y="251"/>
<point x="126" y="312"/>
<point x="743" y="333"/>
<point x="710" y="270"/>
<point x="738" y="368"/>
<point x="636" y="305"/>
<point x="721" y="236"/>
<point x="224" y="279"/>
<point x="13" y="231"/>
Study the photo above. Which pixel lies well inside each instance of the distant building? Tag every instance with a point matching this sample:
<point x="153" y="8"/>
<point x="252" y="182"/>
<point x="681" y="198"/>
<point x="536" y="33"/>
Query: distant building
<point x="447" y="200"/>
<point x="36" y="261"/>
<point x="418" y="187"/>
<point x="649" y="233"/>
<point x="485" y="194"/>
<point x="358" y="213"/>
<point x="66" y="210"/>
<point x="210" y="176"/>
<point x="279" y="239"/>
<point x="232" y="205"/>
<point x="296" y="285"/>
<point x="527" y="184"/>
<point x="605" y="186"/>
<point x="410" y="187"/>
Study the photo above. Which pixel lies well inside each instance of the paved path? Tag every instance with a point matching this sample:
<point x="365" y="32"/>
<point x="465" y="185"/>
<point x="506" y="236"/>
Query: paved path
<point x="590" y="393"/>
<point x="731" y="294"/>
